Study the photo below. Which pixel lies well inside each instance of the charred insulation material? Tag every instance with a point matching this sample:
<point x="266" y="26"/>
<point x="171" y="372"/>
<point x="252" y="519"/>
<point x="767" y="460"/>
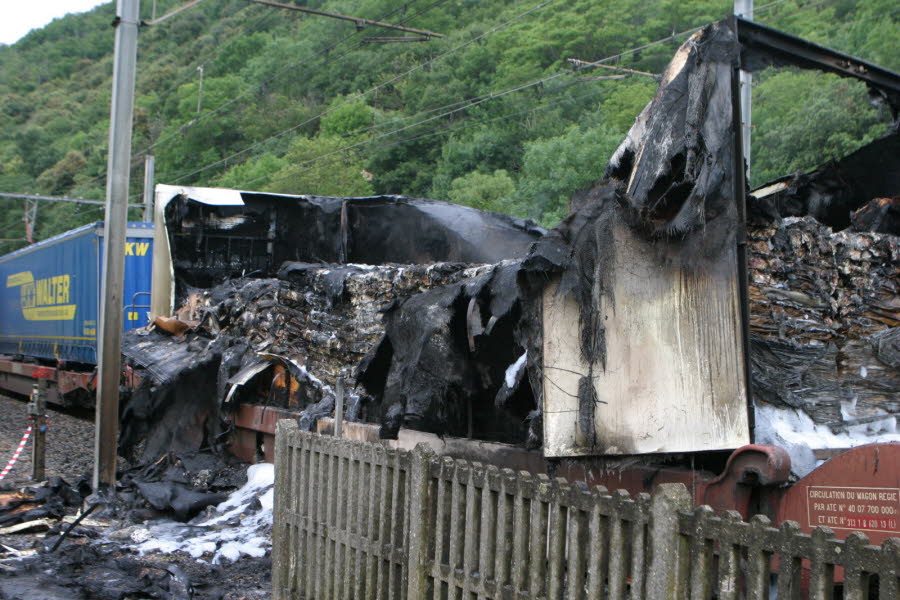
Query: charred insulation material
<point x="211" y="243"/>
<point x="669" y="182"/>
<point x="443" y="362"/>
<point x="825" y="320"/>
<point x="174" y="407"/>
<point x="179" y="485"/>
<point x="314" y="323"/>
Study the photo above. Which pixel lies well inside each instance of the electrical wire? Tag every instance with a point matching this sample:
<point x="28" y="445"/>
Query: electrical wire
<point x="465" y="125"/>
<point x="261" y="86"/>
<point x="484" y="98"/>
<point x="365" y="93"/>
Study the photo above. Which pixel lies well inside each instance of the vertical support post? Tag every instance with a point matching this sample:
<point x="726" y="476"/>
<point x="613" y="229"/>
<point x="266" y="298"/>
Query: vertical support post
<point x="149" y="176"/>
<point x="739" y="177"/>
<point x="667" y="546"/>
<point x="339" y="408"/>
<point x="744" y="10"/>
<point x="37" y="410"/>
<point x="116" y="220"/>
<point x="419" y="520"/>
<point x="200" y="91"/>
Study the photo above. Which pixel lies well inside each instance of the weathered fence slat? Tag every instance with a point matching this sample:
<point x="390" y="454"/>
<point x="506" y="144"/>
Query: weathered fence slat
<point x="665" y="578"/>
<point x="372" y="514"/>
<point x="729" y="569"/>
<point x="617" y="573"/>
<point x="319" y="489"/>
<point x="556" y="541"/>
<point x="521" y="534"/>
<point x="396" y="520"/>
<point x="889" y="572"/>
<point x="282" y="534"/>
<point x="383" y="526"/>
<point x="356" y="520"/>
<point x="457" y="523"/>
<point x="598" y="555"/>
<point x="639" y="546"/>
<point x="856" y="581"/>
<point x="301" y="507"/>
<point x="505" y="528"/>
<point x="757" y="560"/>
<point x="472" y="512"/>
<point x="789" y="563"/>
<point x="538" y="545"/>
<point x="576" y="559"/>
<point x="701" y="555"/>
<point x="821" y="579"/>
<point x="362" y="533"/>
<point x="443" y="509"/>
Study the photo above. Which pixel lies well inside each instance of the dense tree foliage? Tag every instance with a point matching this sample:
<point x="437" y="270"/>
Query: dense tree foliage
<point x="492" y="115"/>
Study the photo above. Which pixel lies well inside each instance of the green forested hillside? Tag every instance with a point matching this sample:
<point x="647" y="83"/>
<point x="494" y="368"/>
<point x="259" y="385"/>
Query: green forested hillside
<point x="490" y="116"/>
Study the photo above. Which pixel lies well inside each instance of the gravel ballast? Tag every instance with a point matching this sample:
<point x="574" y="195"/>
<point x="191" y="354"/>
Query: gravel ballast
<point x="70" y="444"/>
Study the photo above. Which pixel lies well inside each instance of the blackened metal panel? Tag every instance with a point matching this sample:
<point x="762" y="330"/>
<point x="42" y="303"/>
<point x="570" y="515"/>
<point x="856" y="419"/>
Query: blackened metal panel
<point x="674" y="374"/>
<point x="643" y="337"/>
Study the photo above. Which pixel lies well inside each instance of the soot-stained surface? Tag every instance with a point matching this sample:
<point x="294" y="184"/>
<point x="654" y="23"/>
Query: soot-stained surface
<point x="432" y="344"/>
<point x="316" y="321"/>
<point x="212" y="243"/>
<point x="822" y="253"/>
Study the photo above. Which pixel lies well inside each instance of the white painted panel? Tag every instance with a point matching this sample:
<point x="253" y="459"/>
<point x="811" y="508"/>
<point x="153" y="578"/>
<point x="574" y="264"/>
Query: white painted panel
<point x="674" y="379"/>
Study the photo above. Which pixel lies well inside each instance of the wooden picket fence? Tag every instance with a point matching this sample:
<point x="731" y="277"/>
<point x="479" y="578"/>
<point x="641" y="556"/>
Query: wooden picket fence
<point x="358" y="520"/>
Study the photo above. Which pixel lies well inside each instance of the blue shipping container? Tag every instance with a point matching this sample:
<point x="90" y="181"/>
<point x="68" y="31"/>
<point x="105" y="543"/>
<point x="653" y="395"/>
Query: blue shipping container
<point x="50" y="294"/>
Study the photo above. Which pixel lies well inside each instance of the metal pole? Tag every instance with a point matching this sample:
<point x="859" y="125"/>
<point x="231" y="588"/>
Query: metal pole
<point x="37" y="410"/>
<point x="339" y="408"/>
<point x="149" y="174"/>
<point x="200" y="91"/>
<point x="744" y="9"/>
<point x="111" y="303"/>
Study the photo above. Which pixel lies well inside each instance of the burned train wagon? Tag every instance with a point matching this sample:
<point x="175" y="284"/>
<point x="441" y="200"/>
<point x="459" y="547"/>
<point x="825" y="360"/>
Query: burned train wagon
<point x="673" y="328"/>
<point x="676" y="327"/>
<point x="265" y="301"/>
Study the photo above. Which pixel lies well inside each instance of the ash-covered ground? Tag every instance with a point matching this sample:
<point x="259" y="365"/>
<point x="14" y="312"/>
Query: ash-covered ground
<point x="185" y="527"/>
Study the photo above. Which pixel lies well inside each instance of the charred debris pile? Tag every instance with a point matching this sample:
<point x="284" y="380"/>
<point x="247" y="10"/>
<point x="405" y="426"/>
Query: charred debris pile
<point x="433" y="312"/>
<point x="325" y="273"/>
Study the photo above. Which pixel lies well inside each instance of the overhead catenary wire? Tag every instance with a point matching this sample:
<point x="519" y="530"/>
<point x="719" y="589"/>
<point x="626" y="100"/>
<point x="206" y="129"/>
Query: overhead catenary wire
<point x="359" y="21"/>
<point x="195" y="122"/>
<point x="428" y="120"/>
<point x="373" y="89"/>
<point x="471" y="123"/>
<point x="101" y="203"/>
<point x="260" y="86"/>
<point x="425" y="9"/>
<point x="493" y="95"/>
<point x="173" y="12"/>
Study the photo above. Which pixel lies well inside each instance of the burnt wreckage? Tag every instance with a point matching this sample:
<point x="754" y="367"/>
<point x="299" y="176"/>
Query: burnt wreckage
<point x="672" y="311"/>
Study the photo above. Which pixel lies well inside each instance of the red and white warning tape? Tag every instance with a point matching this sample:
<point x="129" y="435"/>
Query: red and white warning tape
<point x="16" y="454"/>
